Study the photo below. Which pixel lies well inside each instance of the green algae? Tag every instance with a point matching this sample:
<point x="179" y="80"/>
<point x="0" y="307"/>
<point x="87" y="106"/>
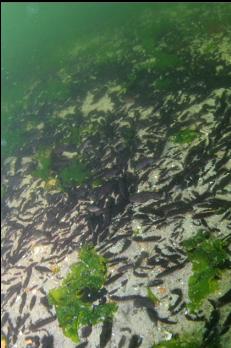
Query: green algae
<point x="76" y="173"/>
<point x="44" y="164"/>
<point x="164" y="84"/>
<point x="97" y="183"/>
<point x="165" y="61"/>
<point x="74" y="137"/>
<point x="185" y="136"/>
<point x="186" y="341"/>
<point x="208" y="256"/>
<point x="152" y="297"/>
<point x="55" y="90"/>
<point x="73" y="300"/>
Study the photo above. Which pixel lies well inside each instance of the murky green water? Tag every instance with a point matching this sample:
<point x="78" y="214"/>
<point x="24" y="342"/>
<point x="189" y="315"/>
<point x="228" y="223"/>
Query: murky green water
<point x="115" y="179"/>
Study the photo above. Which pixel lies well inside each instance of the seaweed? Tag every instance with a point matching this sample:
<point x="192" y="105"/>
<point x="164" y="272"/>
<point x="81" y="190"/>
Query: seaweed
<point x="208" y="256"/>
<point x="185" y="136"/>
<point x="76" y="173"/>
<point x="98" y="182"/>
<point x="152" y="297"/>
<point x="44" y="166"/>
<point x="186" y="341"/>
<point x="74" y="299"/>
<point x="165" y="61"/>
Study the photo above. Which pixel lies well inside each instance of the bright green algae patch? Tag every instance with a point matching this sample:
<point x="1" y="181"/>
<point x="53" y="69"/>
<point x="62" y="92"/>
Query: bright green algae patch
<point x="73" y="300"/>
<point x="186" y="341"/>
<point x="74" y="174"/>
<point x="208" y="256"/>
<point x="152" y="297"/>
<point x="43" y="169"/>
<point x="185" y="136"/>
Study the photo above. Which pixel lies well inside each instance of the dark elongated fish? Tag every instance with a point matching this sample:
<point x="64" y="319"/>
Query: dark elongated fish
<point x="122" y="341"/>
<point x="195" y="317"/>
<point x="139" y="274"/>
<point x="143" y="163"/>
<point x="21" y="320"/>
<point x="172" y="269"/>
<point x="135" y="341"/>
<point x="47" y="342"/>
<point x="14" y="288"/>
<point x="42" y="269"/>
<point x="179" y="294"/>
<point x="226" y="325"/>
<point x="86" y="331"/>
<point x="4" y="319"/>
<point x="28" y="276"/>
<point x="96" y="210"/>
<point x="155" y="282"/>
<point x="226" y="298"/>
<point x="23" y="302"/>
<point x="32" y="302"/>
<point x="146" y="239"/>
<point x="114" y="278"/>
<point x="145" y="196"/>
<point x="40" y="323"/>
<point x="106" y="333"/>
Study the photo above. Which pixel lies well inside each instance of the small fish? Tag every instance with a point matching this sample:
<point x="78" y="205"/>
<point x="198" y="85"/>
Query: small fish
<point x="42" y="269"/>
<point x="225" y="299"/>
<point x="106" y="333"/>
<point x="47" y="342"/>
<point x="147" y="239"/>
<point x="23" y="302"/>
<point x="155" y="282"/>
<point x="28" y="276"/>
<point x="177" y="292"/>
<point x="86" y="331"/>
<point x="114" y="278"/>
<point x="226" y="325"/>
<point x="135" y="341"/>
<point x="32" y="302"/>
<point x="4" y="319"/>
<point x="14" y="288"/>
<point x="142" y="197"/>
<point x="172" y="269"/>
<point x="140" y="274"/>
<point x="143" y="163"/>
<point x="122" y="341"/>
<point x="96" y="210"/>
<point x="40" y="323"/>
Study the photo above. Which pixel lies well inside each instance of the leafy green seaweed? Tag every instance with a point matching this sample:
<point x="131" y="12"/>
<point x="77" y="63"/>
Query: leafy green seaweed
<point x="185" y="136"/>
<point x="208" y="257"/>
<point x="187" y="341"/>
<point x="44" y="167"/>
<point x="73" y="299"/>
<point x="74" y="174"/>
<point x="152" y="297"/>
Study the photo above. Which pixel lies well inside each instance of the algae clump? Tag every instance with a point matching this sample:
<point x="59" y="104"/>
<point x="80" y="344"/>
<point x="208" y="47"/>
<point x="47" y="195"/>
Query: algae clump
<point x="152" y="297"/>
<point x="75" y="173"/>
<point x="74" y="299"/>
<point x="185" y="136"/>
<point x="44" y="167"/>
<point x="208" y="256"/>
<point x="187" y="341"/>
